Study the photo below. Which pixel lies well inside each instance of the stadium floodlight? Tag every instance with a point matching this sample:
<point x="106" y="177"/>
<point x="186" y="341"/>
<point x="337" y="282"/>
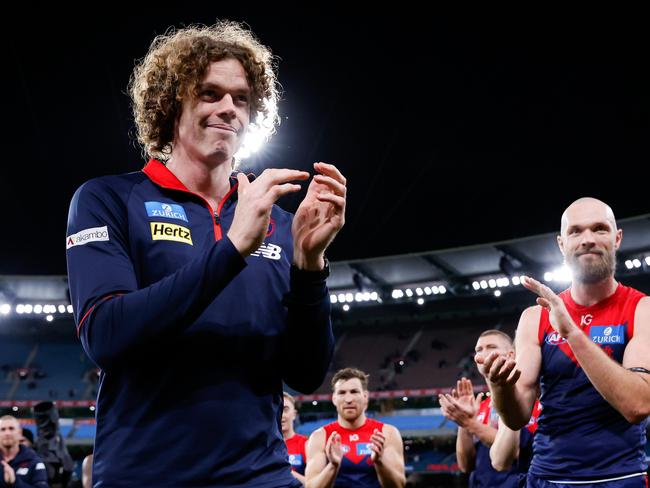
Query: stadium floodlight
<point x="38" y="308"/>
<point x="628" y="264"/>
<point x="442" y="289"/>
<point x="476" y="285"/>
<point x="420" y="301"/>
<point x="346" y="307"/>
<point x="497" y="293"/>
<point x="484" y="284"/>
<point x="636" y="263"/>
<point x="409" y="292"/>
<point x="515" y="280"/>
<point x="561" y="274"/>
<point x="49" y="318"/>
<point x="333" y="299"/>
<point x="5" y="308"/>
<point x="28" y="308"/>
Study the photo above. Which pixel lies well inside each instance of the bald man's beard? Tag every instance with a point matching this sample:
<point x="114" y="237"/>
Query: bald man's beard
<point x="593" y="271"/>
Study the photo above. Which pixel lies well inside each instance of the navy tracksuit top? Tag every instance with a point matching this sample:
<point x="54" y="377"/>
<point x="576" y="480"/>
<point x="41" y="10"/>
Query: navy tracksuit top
<point x="192" y="340"/>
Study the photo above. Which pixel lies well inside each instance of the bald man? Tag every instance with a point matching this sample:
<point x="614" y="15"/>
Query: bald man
<point x="589" y="348"/>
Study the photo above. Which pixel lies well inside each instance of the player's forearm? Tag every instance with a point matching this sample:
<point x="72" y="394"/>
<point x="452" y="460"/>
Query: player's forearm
<point x="298" y="476"/>
<point x="465" y="450"/>
<point x="626" y="391"/>
<point x="324" y="479"/>
<point x="390" y="474"/>
<point x="485" y="433"/>
<point x="514" y="404"/>
<point x="160" y="310"/>
<point x="505" y="448"/>
<point x="309" y="340"/>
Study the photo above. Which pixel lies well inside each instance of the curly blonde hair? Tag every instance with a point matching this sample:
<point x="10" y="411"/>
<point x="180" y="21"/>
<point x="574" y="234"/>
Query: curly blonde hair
<point x="175" y="65"/>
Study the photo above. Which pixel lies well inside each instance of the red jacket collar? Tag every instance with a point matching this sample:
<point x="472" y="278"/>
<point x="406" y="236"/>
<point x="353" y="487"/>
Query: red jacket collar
<point x="161" y="176"/>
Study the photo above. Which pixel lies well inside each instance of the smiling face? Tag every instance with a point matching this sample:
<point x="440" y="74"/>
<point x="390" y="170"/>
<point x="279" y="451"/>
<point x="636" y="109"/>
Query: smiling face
<point x="214" y="117"/>
<point x="589" y="240"/>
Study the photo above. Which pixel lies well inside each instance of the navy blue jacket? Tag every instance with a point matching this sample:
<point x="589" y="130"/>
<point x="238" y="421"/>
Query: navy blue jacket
<point x="29" y="469"/>
<point x="192" y="340"/>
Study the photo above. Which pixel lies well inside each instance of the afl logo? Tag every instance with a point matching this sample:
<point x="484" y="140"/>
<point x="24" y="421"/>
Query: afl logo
<point x="555" y="339"/>
<point x="271" y="230"/>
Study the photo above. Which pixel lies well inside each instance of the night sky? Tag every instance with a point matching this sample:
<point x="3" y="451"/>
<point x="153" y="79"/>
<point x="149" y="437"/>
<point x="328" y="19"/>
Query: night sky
<point x="451" y="131"/>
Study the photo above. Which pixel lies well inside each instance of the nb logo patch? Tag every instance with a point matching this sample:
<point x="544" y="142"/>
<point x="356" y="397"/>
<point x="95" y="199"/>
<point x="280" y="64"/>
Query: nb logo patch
<point x="162" y="231"/>
<point x="269" y="251"/>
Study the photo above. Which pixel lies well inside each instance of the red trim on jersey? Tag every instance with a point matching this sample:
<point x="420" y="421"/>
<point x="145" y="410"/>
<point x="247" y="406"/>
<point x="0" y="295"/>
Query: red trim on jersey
<point x="532" y="423"/>
<point x="628" y="299"/>
<point x="83" y="319"/>
<point x="484" y="411"/>
<point x="296" y="445"/>
<point x="540" y="329"/>
<point x="162" y="176"/>
<point x="362" y="434"/>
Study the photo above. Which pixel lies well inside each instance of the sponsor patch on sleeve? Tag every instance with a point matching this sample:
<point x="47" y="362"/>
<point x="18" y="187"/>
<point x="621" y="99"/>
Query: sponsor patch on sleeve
<point x="94" y="234"/>
<point x="162" y="231"/>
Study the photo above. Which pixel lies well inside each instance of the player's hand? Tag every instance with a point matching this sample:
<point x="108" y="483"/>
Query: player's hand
<point x="254" y="203"/>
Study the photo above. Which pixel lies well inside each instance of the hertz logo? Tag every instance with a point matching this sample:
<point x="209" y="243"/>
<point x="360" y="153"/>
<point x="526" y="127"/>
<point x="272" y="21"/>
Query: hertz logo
<point x="161" y="231"/>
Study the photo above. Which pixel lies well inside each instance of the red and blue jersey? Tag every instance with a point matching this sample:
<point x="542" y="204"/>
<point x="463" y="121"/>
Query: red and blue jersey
<point x="192" y="340"/>
<point x="580" y="435"/>
<point x="484" y="475"/>
<point x="297" y="453"/>
<point x="357" y="467"/>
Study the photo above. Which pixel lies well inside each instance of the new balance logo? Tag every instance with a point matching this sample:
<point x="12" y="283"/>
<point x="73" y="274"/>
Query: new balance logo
<point x="269" y="251"/>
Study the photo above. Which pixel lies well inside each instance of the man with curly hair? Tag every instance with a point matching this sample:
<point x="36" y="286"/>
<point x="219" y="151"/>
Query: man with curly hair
<point x="190" y="286"/>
